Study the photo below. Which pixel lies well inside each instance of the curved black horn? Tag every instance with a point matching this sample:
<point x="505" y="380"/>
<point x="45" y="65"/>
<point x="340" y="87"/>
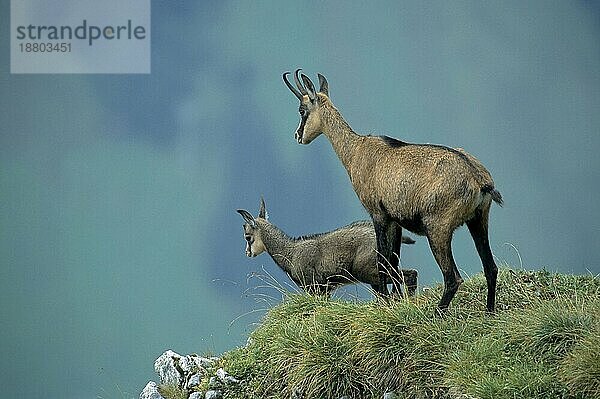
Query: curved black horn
<point x="292" y="88"/>
<point x="297" y="80"/>
<point x="310" y="87"/>
<point x="247" y="217"/>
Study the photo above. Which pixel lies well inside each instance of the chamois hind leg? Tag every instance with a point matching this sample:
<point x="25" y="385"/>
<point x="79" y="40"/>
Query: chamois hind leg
<point x="478" y="227"/>
<point x="441" y="247"/>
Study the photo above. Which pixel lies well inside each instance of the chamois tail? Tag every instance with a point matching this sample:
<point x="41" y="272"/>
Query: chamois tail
<point x="407" y="240"/>
<point x="496" y="196"/>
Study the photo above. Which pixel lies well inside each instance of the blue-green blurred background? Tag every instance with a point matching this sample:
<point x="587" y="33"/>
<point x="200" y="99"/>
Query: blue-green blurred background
<point x="118" y="232"/>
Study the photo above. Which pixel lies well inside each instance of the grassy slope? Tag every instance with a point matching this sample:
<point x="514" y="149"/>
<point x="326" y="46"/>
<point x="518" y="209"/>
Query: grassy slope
<point x="542" y="343"/>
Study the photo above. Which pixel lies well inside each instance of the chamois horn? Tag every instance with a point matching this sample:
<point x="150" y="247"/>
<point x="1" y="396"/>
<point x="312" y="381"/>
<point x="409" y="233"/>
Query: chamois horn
<point x="298" y="84"/>
<point x="292" y="88"/>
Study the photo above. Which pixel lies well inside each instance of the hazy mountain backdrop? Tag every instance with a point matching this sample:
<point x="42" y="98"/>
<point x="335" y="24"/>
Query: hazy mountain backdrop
<point x="118" y="232"/>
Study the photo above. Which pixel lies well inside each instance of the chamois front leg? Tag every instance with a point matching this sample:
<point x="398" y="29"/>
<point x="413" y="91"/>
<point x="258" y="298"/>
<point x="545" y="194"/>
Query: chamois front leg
<point x="384" y="253"/>
<point x="394" y="236"/>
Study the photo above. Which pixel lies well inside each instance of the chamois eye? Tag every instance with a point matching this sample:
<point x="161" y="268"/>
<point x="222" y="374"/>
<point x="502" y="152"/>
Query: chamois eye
<point x="248" y="237"/>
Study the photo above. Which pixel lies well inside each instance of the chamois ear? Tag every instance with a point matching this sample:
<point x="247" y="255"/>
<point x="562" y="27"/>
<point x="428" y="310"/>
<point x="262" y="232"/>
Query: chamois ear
<point x="262" y="211"/>
<point x="247" y="217"/>
<point x="310" y="88"/>
<point x="323" y="85"/>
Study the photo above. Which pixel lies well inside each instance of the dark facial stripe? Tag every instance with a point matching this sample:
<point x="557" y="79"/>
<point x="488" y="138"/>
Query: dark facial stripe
<point x="300" y="130"/>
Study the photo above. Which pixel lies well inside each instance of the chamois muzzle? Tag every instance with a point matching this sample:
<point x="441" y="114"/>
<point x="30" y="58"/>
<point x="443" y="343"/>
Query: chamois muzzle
<point x="298" y="136"/>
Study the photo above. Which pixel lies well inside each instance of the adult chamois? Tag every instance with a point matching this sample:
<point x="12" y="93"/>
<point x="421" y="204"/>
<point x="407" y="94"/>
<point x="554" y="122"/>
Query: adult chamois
<point x="427" y="189"/>
<point x="320" y="263"/>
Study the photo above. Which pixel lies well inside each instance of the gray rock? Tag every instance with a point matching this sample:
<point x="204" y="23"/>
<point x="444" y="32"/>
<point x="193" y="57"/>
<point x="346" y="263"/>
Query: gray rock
<point x="150" y="391"/>
<point x="213" y="382"/>
<point x="193" y="381"/>
<point x="222" y="374"/>
<point x="196" y="395"/>
<point x="166" y="366"/>
<point x="391" y="395"/>
<point x="213" y="395"/>
<point x="226" y="378"/>
<point x="175" y="369"/>
<point x="187" y="364"/>
<point x="204" y="362"/>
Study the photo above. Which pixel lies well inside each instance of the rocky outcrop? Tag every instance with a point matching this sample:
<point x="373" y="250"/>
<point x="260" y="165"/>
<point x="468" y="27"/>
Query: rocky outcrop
<point x="150" y="391"/>
<point x="186" y="372"/>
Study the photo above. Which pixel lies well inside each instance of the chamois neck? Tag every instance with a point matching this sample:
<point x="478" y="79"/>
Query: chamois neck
<point x="343" y="139"/>
<point x="278" y="245"/>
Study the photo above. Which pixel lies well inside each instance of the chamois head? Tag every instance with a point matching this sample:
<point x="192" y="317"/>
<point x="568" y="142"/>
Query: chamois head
<point x="254" y="243"/>
<point x="310" y="126"/>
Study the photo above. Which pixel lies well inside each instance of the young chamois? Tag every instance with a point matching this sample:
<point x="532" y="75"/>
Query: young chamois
<point x="427" y="189"/>
<point x="320" y="263"/>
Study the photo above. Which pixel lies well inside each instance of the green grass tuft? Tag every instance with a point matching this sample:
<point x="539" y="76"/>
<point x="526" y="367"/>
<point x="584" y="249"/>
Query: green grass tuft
<point x="541" y="343"/>
<point x="580" y="369"/>
<point x="172" y="392"/>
